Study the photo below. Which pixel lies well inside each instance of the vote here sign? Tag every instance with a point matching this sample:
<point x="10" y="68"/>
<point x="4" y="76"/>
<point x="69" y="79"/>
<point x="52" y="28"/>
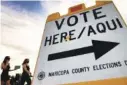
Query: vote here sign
<point x="83" y="47"/>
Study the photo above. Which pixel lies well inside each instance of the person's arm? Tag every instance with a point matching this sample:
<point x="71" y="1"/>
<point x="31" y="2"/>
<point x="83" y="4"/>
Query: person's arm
<point x="24" y="67"/>
<point x="3" y="66"/>
<point x="30" y="73"/>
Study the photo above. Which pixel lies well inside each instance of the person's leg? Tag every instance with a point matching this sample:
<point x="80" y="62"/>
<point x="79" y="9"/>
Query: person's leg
<point x="22" y="81"/>
<point x="8" y="82"/>
<point x="3" y="79"/>
<point x="28" y="80"/>
<point x="2" y="82"/>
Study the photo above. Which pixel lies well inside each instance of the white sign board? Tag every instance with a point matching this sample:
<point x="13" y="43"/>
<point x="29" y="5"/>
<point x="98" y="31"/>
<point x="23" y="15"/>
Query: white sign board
<point x="86" y="46"/>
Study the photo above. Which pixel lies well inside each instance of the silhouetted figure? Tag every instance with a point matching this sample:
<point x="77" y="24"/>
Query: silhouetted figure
<point x="26" y="73"/>
<point x="5" y="66"/>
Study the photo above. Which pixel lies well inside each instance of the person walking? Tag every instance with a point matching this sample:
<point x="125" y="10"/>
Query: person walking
<point x="5" y="66"/>
<point x="26" y="73"/>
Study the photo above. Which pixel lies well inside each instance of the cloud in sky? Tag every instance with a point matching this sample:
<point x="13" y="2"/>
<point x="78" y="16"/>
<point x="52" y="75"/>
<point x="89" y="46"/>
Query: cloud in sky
<point x="63" y="5"/>
<point x="121" y="5"/>
<point x="20" y="28"/>
<point x="29" y="6"/>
